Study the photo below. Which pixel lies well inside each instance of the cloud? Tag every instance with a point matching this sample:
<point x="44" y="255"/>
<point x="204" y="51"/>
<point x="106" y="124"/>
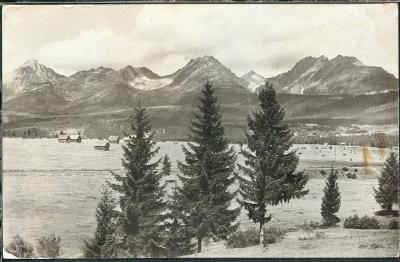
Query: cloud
<point x="266" y="38"/>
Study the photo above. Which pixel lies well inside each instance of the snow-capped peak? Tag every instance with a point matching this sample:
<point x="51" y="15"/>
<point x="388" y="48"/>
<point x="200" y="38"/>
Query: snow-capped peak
<point x="253" y="80"/>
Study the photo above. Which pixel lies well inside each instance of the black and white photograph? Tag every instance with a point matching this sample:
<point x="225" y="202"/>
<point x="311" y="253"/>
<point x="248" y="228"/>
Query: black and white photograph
<point x="200" y="131"/>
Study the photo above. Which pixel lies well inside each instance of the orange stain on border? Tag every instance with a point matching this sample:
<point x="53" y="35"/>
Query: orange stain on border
<point x="382" y="153"/>
<point x="366" y="158"/>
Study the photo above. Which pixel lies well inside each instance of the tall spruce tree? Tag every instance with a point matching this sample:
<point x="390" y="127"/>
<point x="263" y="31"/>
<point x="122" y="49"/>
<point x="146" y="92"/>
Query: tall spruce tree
<point x="105" y="218"/>
<point x="269" y="171"/>
<point x="331" y="200"/>
<point x="388" y="188"/>
<point x="207" y="173"/>
<point x="166" y="166"/>
<point x="141" y="193"/>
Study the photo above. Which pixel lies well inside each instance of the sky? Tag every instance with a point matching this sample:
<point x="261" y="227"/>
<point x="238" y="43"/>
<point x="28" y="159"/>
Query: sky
<point x="268" y="39"/>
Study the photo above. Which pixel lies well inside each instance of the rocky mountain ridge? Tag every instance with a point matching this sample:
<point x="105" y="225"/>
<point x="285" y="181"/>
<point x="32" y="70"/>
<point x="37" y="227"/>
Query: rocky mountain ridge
<point x="315" y="88"/>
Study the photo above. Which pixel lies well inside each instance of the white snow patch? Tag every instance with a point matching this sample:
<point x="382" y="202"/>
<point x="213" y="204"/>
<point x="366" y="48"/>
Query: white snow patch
<point x="379" y="92"/>
<point x="144" y="83"/>
<point x="253" y="80"/>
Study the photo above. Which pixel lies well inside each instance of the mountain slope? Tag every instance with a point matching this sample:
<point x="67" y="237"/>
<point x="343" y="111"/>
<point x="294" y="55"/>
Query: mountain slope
<point x="341" y="75"/>
<point x="253" y="80"/>
<point x="200" y="70"/>
<point x="28" y="77"/>
<point x="97" y="99"/>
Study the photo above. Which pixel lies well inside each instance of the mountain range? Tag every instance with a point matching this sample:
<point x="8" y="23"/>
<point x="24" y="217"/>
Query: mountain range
<point x="36" y="95"/>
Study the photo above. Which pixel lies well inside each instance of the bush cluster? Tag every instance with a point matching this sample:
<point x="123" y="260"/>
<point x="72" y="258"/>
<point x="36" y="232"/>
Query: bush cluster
<point x="49" y="246"/>
<point x="20" y="248"/>
<point x="364" y="222"/>
<point x="251" y="237"/>
<point x="351" y="175"/>
<point x="273" y="234"/>
<point x="310" y="226"/>
<point x="239" y="239"/>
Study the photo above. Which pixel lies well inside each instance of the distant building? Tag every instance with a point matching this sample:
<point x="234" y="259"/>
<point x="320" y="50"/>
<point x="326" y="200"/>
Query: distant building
<point x="63" y="139"/>
<point x="113" y="139"/>
<point x="75" y="138"/>
<point x="130" y="137"/>
<point x="127" y="139"/>
<point x="102" y="146"/>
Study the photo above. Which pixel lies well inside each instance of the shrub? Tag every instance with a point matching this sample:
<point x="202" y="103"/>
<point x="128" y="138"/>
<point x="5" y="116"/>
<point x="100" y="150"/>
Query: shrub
<point x="393" y="224"/>
<point x="355" y="170"/>
<point x="20" y="248"/>
<point x="322" y="172"/>
<point x="387" y="213"/>
<point x="320" y="235"/>
<point x="351" y="175"/>
<point x="239" y="239"/>
<point x="251" y="237"/>
<point x="273" y="234"/>
<point x="373" y="245"/>
<point x="49" y="246"/>
<point x="364" y="222"/>
<point x="345" y="169"/>
<point x="309" y="226"/>
<point x="309" y="246"/>
<point x="376" y="245"/>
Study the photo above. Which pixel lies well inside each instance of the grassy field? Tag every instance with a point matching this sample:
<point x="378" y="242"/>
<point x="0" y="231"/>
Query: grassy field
<point x="53" y="188"/>
<point x="339" y="242"/>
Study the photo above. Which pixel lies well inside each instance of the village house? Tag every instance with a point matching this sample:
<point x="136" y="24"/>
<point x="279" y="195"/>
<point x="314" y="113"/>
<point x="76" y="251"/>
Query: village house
<point x="102" y="146"/>
<point x="75" y="138"/>
<point x="63" y="138"/>
<point x="127" y="139"/>
<point x="113" y="139"/>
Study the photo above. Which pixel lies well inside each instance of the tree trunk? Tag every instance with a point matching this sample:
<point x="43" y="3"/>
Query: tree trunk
<point x="199" y="240"/>
<point x="261" y="234"/>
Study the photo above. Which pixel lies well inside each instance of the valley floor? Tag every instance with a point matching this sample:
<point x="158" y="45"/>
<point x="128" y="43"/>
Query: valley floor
<point x="50" y="187"/>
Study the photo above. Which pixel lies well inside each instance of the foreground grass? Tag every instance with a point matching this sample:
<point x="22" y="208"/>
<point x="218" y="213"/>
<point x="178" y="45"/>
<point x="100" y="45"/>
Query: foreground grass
<point x="338" y="242"/>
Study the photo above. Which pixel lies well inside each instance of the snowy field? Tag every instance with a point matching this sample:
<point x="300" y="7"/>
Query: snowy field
<point x="51" y="187"/>
<point x="48" y="155"/>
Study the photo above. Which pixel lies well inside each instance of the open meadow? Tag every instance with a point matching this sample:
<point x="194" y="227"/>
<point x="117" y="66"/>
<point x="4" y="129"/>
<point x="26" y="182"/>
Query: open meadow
<point x="50" y="187"/>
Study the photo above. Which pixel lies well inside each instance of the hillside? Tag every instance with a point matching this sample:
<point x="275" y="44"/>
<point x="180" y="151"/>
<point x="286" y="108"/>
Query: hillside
<point x="340" y="75"/>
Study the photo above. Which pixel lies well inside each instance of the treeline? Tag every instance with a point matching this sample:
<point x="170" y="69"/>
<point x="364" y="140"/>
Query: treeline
<point x="30" y="132"/>
<point x="360" y="140"/>
<point x="147" y="221"/>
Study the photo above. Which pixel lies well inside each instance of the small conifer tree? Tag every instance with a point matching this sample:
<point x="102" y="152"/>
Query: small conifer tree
<point x="388" y="188"/>
<point x="166" y="166"/>
<point x="178" y="238"/>
<point x="331" y="200"/>
<point x="105" y="218"/>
